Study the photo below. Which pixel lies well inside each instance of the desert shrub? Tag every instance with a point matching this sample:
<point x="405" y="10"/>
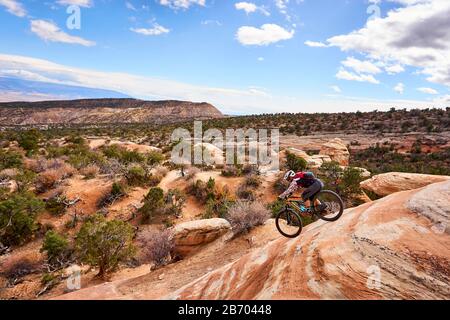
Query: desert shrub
<point x="331" y="174"/>
<point x="245" y="192"/>
<point x="175" y="200"/>
<point x="295" y="163"/>
<point x="15" y="269"/>
<point x="117" y="191"/>
<point x="123" y="155"/>
<point x="276" y="206"/>
<point x="153" y="203"/>
<point x="217" y="207"/>
<point x="112" y="167"/>
<point x="346" y="182"/>
<point x="231" y="171"/>
<point x="90" y="172"/>
<point x="25" y="179"/>
<point x="10" y="159"/>
<point x="47" y="180"/>
<point x="349" y="186"/>
<point x="154" y="158"/>
<point x="253" y="181"/>
<point x="156" y="247"/>
<point x="57" y="204"/>
<point x="137" y="176"/>
<point x="105" y="243"/>
<point x="75" y="139"/>
<point x="202" y="191"/>
<point x="250" y="169"/>
<point x="243" y="216"/>
<point x="29" y="140"/>
<point x="18" y="218"/>
<point x="84" y="158"/>
<point x="57" y="249"/>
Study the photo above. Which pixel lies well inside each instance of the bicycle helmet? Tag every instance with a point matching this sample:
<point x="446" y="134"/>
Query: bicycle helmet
<point x="288" y="175"/>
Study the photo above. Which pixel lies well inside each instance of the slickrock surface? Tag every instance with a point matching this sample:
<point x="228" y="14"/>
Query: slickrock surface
<point x="388" y="183"/>
<point x="343" y="260"/>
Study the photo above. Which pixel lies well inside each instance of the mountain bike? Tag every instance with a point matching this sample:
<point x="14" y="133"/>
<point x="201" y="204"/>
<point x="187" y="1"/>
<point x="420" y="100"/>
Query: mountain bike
<point x="326" y="205"/>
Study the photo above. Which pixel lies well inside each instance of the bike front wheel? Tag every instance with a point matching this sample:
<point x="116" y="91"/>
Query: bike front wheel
<point x="289" y="223"/>
<point x="329" y="207"/>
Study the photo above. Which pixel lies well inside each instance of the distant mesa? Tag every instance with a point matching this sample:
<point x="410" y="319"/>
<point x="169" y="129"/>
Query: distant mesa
<point x="89" y="106"/>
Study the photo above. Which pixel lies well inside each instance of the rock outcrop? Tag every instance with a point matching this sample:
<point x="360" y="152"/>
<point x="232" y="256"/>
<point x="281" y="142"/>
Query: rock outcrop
<point x="386" y="249"/>
<point x="314" y="161"/>
<point x="337" y="150"/>
<point x="98" y="111"/>
<point x="388" y="183"/>
<point x="191" y="236"/>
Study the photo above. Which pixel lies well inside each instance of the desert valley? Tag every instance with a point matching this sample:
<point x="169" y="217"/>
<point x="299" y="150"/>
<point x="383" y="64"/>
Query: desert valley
<point x="92" y="207"/>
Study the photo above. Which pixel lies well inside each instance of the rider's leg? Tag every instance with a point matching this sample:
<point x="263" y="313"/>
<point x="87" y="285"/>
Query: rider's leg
<point x="310" y="192"/>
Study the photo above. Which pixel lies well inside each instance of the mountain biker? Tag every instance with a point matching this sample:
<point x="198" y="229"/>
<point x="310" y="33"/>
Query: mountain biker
<point x="305" y="180"/>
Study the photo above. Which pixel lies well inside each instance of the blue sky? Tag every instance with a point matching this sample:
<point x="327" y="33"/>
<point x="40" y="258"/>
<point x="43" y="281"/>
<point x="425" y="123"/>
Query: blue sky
<point x="242" y="56"/>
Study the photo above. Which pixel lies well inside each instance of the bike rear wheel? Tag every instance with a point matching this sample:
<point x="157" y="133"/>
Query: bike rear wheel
<point x="331" y="205"/>
<point x="289" y="223"/>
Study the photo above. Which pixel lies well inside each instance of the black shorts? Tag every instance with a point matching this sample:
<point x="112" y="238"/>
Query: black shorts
<point x="312" y="190"/>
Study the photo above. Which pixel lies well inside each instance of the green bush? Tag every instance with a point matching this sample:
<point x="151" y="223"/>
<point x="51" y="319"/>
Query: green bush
<point x="153" y="203"/>
<point x="29" y="140"/>
<point x="203" y="191"/>
<point x="10" y="159"/>
<point x="105" y="243"/>
<point x="56" y="247"/>
<point x="18" y="218"/>
<point x="295" y="163"/>
<point x="118" y="190"/>
<point x="25" y="179"/>
<point x="137" y="176"/>
<point x="175" y="200"/>
<point x="123" y="155"/>
<point x="56" y="205"/>
<point x="154" y="158"/>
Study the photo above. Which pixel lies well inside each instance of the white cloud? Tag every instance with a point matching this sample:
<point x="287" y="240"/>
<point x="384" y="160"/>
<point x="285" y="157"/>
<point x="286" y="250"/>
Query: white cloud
<point x="394" y="69"/>
<point x="347" y="75"/>
<point x="49" y="31"/>
<point x="181" y="4"/>
<point x="156" y="30"/>
<point x="416" y="35"/>
<point x="260" y="59"/>
<point x="399" y="88"/>
<point x="428" y="90"/>
<point x="282" y="6"/>
<point x="267" y="34"/>
<point x="315" y="44"/>
<point x="14" y="7"/>
<point x="130" y="6"/>
<point x="229" y="100"/>
<point x="80" y="3"/>
<point x="336" y="89"/>
<point x="361" y="66"/>
<point x="250" y="7"/>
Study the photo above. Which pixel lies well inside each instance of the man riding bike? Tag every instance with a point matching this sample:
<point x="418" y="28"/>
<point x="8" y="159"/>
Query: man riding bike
<point x="308" y="182"/>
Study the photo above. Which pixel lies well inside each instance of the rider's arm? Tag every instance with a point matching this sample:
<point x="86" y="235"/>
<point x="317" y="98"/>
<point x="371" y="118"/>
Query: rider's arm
<point x="292" y="188"/>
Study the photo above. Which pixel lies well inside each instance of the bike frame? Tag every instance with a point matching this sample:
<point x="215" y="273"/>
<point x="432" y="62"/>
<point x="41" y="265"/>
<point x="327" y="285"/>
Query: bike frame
<point x="294" y="203"/>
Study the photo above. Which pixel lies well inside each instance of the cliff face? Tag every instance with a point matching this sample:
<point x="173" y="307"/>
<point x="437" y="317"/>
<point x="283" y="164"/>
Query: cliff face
<point x="92" y="111"/>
